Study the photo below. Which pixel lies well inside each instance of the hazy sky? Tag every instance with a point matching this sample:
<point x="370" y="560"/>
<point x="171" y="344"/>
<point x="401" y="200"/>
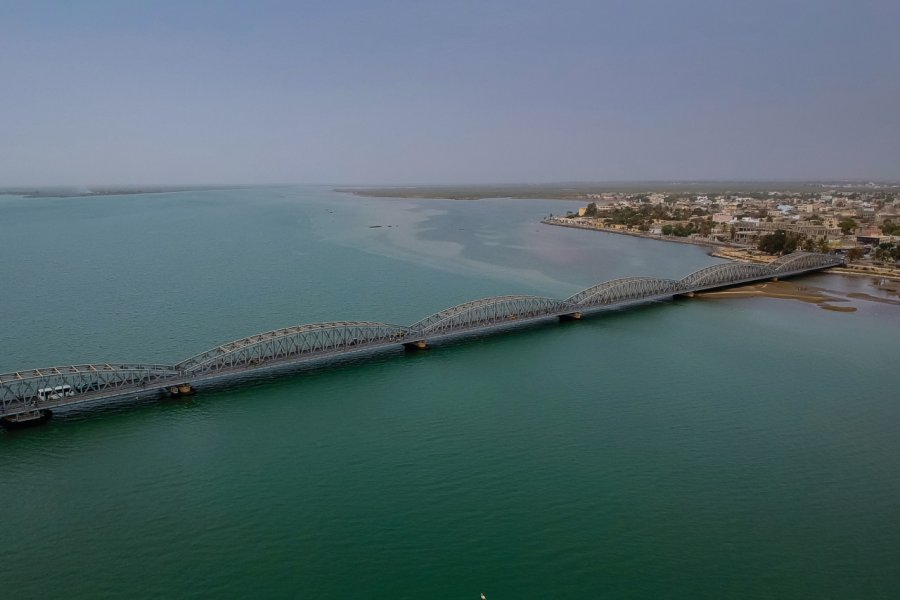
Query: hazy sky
<point x="338" y="91"/>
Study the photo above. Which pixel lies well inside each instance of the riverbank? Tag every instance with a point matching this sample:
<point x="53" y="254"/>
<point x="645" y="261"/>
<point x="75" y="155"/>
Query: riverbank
<point x="94" y="191"/>
<point x="727" y="250"/>
<point x="590" y="191"/>
<point x="829" y="299"/>
<point x="868" y="271"/>
<point x="857" y="270"/>
<point x="562" y="222"/>
<point x="785" y="290"/>
<point x="484" y="192"/>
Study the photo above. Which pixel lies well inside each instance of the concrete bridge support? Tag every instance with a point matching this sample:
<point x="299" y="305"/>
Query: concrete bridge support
<point x="26" y="419"/>
<point x="575" y="316"/>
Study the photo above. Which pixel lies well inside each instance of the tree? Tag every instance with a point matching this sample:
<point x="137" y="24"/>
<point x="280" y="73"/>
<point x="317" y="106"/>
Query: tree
<point x="854" y="254"/>
<point x="705" y="227"/>
<point x="888" y="252"/>
<point x="809" y="245"/>
<point x="772" y="243"/>
<point x="883" y="252"/>
<point x="779" y="242"/>
<point x="889" y="228"/>
<point x="848" y="226"/>
<point x="791" y="242"/>
<point x="591" y="210"/>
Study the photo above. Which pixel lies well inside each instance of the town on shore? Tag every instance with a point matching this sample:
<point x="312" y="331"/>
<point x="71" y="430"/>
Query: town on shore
<point x="863" y="225"/>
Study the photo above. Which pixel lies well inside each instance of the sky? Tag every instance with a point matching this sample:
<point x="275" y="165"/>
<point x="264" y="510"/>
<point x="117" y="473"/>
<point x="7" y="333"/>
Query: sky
<point x="418" y="92"/>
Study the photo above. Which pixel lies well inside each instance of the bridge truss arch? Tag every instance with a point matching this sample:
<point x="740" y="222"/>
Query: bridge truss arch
<point x="804" y="261"/>
<point x="25" y="390"/>
<point x="21" y="388"/>
<point x="293" y="343"/>
<point x="490" y="311"/>
<point x="723" y="274"/>
<point x="622" y="290"/>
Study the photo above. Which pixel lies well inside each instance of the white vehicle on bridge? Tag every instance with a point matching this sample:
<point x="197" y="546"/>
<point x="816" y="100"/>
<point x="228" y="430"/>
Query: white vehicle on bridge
<point x="55" y="393"/>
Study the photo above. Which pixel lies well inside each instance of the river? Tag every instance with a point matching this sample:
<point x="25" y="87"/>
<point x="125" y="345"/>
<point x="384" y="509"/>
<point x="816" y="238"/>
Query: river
<point x="701" y="448"/>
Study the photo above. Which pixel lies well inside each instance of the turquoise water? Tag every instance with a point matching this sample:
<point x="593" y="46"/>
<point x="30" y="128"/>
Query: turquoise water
<point x="697" y="449"/>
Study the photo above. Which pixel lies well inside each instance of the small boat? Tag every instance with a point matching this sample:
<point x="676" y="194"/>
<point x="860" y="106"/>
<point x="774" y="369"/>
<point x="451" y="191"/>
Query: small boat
<point x="26" y="419"/>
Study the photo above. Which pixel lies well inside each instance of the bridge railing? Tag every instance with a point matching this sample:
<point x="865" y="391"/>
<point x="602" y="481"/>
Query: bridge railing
<point x="293" y="343"/>
<point x="622" y="290"/>
<point x="488" y="312"/>
<point x="54" y="383"/>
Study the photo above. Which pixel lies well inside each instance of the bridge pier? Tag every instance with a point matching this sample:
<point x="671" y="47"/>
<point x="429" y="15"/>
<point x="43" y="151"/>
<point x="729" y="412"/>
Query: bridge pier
<point x="416" y="346"/>
<point x="575" y="316"/>
<point x="180" y="390"/>
<point x="26" y="419"/>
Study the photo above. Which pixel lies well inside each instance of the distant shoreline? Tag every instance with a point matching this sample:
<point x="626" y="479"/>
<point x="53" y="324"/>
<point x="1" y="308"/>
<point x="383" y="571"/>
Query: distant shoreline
<point x="579" y="191"/>
<point x="642" y="234"/>
<point x="462" y="193"/>
<point x="64" y="192"/>
<point x="733" y="252"/>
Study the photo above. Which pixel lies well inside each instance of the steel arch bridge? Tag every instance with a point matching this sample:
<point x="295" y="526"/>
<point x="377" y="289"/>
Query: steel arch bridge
<point x="490" y="312"/>
<point x="26" y="391"/>
<point x="622" y="290"/>
<point x="724" y="274"/>
<point x="803" y="261"/>
<point x="293" y="343"/>
<point x="58" y="385"/>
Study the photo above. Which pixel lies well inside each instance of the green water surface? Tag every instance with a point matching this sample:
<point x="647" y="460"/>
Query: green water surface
<point x="691" y="449"/>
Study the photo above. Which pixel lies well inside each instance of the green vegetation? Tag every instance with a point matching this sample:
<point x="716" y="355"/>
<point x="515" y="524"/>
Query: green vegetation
<point x="854" y="254"/>
<point x="848" y="226"/>
<point x="690" y="221"/>
<point x="785" y="242"/>
<point x="679" y="230"/>
<point x="888" y="252"/>
<point x="889" y="228"/>
<point x="779" y="242"/>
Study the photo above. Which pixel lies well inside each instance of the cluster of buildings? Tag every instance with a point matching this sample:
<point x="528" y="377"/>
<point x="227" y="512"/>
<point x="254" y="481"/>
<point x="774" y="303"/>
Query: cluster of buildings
<point x="833" y="219"/>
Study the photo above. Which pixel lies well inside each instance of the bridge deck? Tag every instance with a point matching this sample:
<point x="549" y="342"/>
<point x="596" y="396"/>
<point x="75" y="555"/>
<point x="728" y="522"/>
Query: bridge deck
<point x="55" y="387"/>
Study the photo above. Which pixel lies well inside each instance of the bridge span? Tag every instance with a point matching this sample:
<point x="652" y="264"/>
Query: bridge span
<point x="29" y="394"/>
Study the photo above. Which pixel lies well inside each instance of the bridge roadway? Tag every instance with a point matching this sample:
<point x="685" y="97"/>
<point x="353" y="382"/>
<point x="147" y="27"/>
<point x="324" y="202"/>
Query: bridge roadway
<point x="21" y="391"/>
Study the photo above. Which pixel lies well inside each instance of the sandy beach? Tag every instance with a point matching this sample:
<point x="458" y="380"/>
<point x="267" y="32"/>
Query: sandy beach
<point x="788" y="290"/>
